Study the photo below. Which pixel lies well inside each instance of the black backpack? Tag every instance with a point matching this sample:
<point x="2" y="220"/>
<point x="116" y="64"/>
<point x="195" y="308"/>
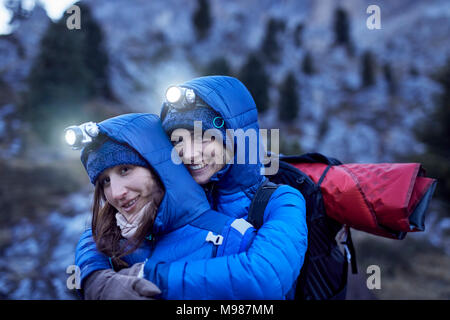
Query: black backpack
<point x="324" y="272"/>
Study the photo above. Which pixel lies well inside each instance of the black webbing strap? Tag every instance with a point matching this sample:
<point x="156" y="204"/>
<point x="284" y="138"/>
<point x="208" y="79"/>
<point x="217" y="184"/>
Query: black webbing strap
<point x="324" y="174"/>
<point x="351" y="249"/>
<point x="259" y="203"/>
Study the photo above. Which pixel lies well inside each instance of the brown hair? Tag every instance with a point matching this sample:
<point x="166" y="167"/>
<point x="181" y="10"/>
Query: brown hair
<point x="107" y="234"/>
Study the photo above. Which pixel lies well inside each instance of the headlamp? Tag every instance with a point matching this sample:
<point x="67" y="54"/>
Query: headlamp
<point x="180" y="97"/>
<point x="78" y="136"/>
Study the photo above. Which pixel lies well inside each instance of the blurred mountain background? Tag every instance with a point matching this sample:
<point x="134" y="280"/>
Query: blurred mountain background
<point x="316" y="71"/>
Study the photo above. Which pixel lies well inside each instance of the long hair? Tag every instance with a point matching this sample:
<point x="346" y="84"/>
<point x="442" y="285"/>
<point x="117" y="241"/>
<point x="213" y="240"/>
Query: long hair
<point x="107" y="235"/>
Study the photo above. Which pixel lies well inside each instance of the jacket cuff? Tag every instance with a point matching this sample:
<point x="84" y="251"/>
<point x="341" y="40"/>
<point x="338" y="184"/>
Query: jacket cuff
<point x="158" y="274"/>
<point x="175" y="281"/>
<point x="86" y="271"/>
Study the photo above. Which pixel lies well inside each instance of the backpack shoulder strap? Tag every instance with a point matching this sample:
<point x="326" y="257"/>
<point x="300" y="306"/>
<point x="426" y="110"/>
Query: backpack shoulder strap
<point x="259" y="203"/>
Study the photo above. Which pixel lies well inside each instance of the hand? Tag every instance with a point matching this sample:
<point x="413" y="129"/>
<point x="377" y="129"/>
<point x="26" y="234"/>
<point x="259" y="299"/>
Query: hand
<point x="110" y="285"/>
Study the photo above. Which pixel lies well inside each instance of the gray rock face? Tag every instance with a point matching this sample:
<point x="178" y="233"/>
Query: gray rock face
<point x="152" y="44"/>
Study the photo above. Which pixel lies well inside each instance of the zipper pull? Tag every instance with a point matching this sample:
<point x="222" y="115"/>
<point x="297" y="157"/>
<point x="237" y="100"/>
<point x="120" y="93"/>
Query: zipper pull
<point x="152" y="240"/>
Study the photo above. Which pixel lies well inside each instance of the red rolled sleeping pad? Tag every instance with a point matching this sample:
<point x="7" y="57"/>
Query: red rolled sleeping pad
<point x="386" y="199"/>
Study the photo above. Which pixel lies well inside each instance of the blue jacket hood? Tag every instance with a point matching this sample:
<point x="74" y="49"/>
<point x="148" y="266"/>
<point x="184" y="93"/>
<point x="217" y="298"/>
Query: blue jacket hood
<point x="143" y="132"/>
<point x="231" y="99"/>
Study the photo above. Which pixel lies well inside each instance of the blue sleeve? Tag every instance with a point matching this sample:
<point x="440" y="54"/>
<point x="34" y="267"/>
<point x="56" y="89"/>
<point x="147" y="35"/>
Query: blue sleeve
<point x="267" y="270"/>
<point x="88" y="258"/>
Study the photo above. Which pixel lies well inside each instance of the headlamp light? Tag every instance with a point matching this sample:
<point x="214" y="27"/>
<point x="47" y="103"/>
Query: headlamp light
<point x="78" y="136"/>
<point x="180" y="97"/>
<point x="173" y="94"/>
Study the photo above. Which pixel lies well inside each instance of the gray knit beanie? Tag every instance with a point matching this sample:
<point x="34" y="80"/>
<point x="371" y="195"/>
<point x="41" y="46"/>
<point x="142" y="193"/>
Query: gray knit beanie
<point x="184" y="118"/>
<point x="106" y="154"/>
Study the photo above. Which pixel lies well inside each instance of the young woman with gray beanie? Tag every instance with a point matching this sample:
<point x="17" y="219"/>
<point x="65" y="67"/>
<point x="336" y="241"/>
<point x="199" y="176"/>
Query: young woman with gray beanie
<point x="147" y="210"/>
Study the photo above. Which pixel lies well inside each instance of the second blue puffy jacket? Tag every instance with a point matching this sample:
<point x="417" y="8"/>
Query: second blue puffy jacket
<point x="270" y="267"/>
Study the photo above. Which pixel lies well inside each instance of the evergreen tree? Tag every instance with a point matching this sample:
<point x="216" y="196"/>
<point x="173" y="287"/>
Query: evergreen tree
<point x="255" y="78"/>
<point x="218" y="66"/>
<point x="270" y="47"/>
<point x="413" y="71"/>
<point x="368" y="69"/>
<point x="308" y="64"/>
<point x="69" y="69"/>
<point x="292" y="147"/>
<point x="298" y="34"/>
<point x="202" y="19"/>
<point x="390" y="78"/>
<point x="95" y="56"/>
<point x="435" y="134"/>
<point x="341" y="27"/>
<point x="289" y="99"/>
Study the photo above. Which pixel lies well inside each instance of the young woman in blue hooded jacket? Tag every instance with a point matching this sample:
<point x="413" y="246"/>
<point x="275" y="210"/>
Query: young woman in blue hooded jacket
<point x="268" y="269"/>
<point x="145" y="207"/>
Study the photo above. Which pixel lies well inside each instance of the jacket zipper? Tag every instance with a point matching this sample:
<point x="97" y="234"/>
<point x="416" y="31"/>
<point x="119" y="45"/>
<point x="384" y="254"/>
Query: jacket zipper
<point x="152" y="240"/>
<point x="209" y="189"/>
<point x="209" y="193"/>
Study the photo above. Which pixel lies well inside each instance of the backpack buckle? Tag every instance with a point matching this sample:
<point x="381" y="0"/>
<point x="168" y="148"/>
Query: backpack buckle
<point x="216" y="239"/>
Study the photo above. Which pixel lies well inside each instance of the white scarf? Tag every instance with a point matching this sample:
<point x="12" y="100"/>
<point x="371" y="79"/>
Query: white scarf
<point x="128" y="229"/>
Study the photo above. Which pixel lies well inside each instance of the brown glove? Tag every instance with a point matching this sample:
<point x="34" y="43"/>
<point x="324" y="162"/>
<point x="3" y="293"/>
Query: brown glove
<point x="123" y="285"/>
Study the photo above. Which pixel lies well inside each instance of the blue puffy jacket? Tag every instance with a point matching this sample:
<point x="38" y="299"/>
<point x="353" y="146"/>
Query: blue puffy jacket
<point x="176" y="233"/>
<point x="269" y="268"/>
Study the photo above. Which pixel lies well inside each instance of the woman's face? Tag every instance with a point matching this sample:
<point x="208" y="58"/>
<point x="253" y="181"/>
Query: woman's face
<point x="129" y="188"/>
<point x="202" y="161"/>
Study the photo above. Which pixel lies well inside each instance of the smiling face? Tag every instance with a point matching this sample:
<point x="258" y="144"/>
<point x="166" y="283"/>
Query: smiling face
<point x="128" y="188"/>
<point x="203" y="159"/>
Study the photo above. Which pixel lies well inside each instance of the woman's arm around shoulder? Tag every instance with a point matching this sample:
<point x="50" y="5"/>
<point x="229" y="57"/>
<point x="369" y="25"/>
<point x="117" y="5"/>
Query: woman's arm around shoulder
<point x="267" y="270"/>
